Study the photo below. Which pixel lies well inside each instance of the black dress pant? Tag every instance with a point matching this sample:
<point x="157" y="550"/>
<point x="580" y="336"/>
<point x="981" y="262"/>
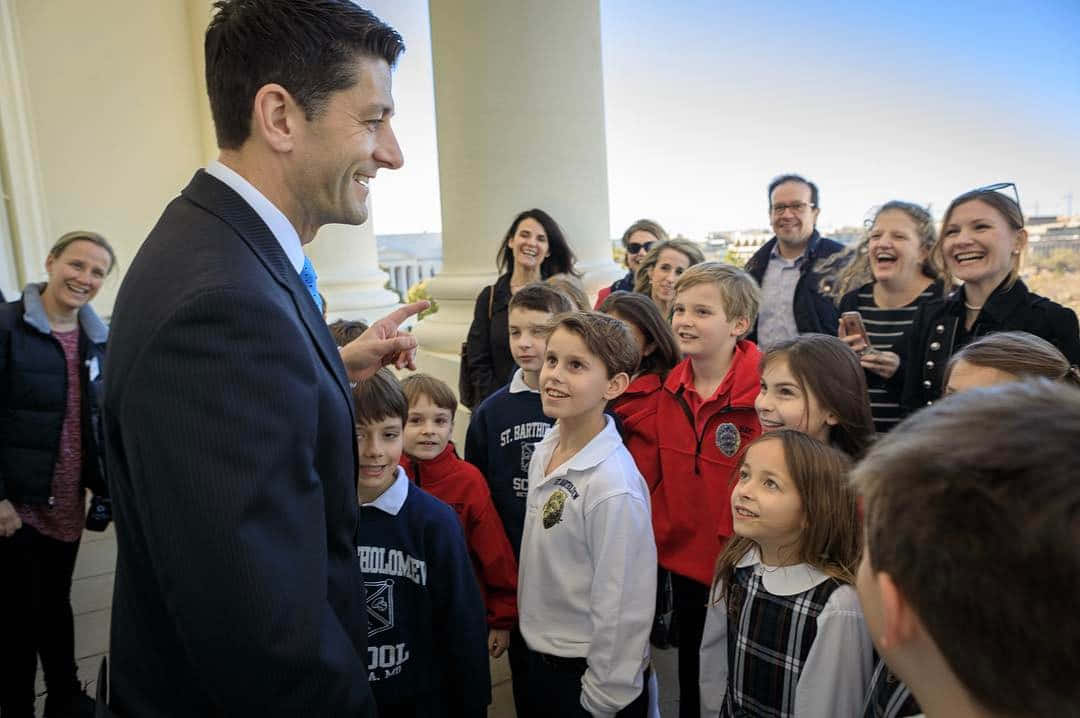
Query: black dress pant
<point x="519" y="653"/>
<point x="555" y="689"/>
<point x="690" y="599"/>
<point x="35" y="603"/>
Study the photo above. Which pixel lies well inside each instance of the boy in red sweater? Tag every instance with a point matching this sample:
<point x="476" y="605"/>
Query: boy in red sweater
<point x="707" y="413"/>
<point x="432" y="462"/>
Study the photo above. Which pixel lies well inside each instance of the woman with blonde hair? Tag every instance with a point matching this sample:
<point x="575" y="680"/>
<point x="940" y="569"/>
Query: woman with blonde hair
<point x="889" y="278"/>
<point x="637" y="240"/>
<point x="662" y="267"/>
<point x="981" y="243"/>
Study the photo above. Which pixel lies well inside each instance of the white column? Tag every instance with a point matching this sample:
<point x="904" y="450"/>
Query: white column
<point x="346" y="258"/>
<point x="520" y="107"/>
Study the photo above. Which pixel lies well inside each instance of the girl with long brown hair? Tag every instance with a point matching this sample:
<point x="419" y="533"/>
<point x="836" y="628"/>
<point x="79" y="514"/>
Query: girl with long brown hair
<point x="784" y="634"/>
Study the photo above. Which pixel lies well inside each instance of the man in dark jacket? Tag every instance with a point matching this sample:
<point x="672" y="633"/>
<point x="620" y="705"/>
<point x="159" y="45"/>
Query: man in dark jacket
<point x="228" y="422"/>
<point x="785" y="266"/>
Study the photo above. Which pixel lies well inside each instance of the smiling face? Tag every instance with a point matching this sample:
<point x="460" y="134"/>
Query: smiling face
<point x="527" y="340"/>
<point x="380" y="444"/>
<point x="701" y="325"/>
<point x="979" y="245"/>
<point x="791" y="214"/>
<point x="76" y="275"/>
<point x="428" y="429"/>
<point x="670" y="264"/>
<point x="529" y="244"/>
<point x="642" y="241"/>
<point x="765" y="504"/>
<point x="574" y="381"/>
<point x="783" y="403"/>
<point x="896" y="254"/>
<point x="337" y="154"/>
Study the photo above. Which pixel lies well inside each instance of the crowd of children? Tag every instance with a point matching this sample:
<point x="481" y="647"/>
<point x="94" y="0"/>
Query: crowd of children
<point x="627" y="448"/>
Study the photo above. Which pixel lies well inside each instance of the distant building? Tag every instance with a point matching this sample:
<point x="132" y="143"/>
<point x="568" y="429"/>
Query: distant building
<point x="1050" y="234"/>
<point x="409" y="258"/>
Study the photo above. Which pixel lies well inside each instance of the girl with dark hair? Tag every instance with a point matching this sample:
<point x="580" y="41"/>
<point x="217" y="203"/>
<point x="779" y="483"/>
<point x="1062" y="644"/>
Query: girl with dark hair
<point x="52" y="351"/>
<point x="890" y="277"/>
<point x="533" y="250"/>
<point x="982" y="241"/>
<point x="784" y="634"/>
<point x="1006" y="357"/>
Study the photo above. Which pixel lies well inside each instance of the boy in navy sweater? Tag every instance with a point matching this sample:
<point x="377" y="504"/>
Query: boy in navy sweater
<point x="426" y="623"/>
<point x="503" y="431"/>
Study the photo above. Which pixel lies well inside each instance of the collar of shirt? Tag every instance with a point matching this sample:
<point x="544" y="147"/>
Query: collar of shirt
<point x="783" y="580"/>
<point x="273" y="217"/>
<point x="775" y="255"/>
<point x="599" y="448"/>
<point x="391" y="500"/>
<point x="518" y="385"/>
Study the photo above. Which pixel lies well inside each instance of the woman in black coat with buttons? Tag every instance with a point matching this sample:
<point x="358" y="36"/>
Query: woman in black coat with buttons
<point x="52" y="349"/>
<point x="982" y="240"/>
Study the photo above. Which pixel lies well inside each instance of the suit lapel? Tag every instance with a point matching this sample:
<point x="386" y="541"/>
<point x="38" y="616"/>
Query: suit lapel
<point x="219" y="199"/>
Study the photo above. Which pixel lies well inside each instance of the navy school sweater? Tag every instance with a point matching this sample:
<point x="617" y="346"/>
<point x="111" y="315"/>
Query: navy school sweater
<point x="427" y="631"/>
<point x="500" y="442"/>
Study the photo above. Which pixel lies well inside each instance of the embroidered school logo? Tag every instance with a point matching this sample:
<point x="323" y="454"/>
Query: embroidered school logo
<point x="526" y="455"/>
<point x="380" y="606"/>
<point x="553" y="508"/>
<point x="728" y="439"/>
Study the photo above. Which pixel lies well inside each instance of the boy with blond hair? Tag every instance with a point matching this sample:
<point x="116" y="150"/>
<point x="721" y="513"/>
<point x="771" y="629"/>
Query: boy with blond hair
<point x="587" y="579"/>
<point x="706" y="413"/>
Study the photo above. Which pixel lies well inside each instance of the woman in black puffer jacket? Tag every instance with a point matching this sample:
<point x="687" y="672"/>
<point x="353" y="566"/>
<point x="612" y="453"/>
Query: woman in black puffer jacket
<point x="52" y="349"/>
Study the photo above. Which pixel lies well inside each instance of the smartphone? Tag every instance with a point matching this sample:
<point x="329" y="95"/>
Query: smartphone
<point x="853" y="326"/>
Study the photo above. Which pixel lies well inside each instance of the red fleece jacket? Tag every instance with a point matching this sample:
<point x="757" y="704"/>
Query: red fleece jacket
<point x="691" y="500"/>
<point x="458" y="483"/>
<point x="636" y="409"/>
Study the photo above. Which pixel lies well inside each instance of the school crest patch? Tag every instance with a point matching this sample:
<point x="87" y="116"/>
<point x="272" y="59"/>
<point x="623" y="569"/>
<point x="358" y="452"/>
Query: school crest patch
<point x="380" y="606"/>
<point x="526" y="456"/>
<point x="553" y="509"/>
<point x="728" y="439"/>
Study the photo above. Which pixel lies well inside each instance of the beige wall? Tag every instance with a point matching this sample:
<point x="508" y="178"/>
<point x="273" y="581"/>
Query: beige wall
<point x="115" y="111"/>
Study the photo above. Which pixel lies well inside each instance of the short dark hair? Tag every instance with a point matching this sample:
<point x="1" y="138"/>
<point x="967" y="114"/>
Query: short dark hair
<point x="379" y="397"/>
<point x="642" y="312"/>
<point x="309" y="47"/>
<point x="560" y="259"/>
<point x="437" y="391"/>
<point x="606" y="338"/>
<point x="783" y="179"/>
<point x="541" y="297"/>
<point x="972" y="506"/>
<point x="345" y="330"/>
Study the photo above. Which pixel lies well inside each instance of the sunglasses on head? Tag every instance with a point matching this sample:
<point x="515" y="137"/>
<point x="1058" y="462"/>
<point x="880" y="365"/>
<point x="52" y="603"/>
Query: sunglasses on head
<point x="635" y="247"/>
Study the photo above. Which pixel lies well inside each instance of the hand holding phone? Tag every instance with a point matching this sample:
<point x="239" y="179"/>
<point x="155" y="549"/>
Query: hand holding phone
<point x="853" y="331"/>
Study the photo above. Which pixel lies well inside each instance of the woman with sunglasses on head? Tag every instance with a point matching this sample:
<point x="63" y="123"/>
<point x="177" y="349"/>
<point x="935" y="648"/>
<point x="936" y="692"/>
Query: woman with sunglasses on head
<point x="637" y="240"/>
<point x="981" y="243"/>
<point x="886" y="278"/>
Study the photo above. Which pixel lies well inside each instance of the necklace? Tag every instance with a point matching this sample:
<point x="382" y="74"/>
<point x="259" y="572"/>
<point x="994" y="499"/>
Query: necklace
<point x="972" y="307"/>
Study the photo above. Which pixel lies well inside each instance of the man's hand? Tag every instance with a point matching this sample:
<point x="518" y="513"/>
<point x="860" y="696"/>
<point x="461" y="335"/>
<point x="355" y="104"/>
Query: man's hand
<point x="382" y="344"/>
<point x="498" y="642"/>
<point x="9" y="520"/>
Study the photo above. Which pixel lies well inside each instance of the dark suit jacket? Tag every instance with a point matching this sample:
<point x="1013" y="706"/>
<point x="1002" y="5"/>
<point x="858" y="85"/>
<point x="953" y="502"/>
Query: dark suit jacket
<point x="232" y="459"/>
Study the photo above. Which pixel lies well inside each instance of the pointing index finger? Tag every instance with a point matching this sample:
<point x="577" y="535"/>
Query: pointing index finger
<point x="404" y="312"/>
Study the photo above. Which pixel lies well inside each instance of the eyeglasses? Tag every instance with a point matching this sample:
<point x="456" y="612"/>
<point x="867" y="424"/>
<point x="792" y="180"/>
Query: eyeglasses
<point x="1006" y="188"/>
<point x="635" y="247"/>
<point x="796" y="207"/>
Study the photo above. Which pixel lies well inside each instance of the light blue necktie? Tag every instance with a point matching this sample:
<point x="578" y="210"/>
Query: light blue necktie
<point x="310" y="280"/>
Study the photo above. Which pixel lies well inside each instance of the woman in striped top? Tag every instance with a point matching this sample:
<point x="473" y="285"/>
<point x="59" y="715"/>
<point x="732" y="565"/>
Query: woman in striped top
<point x="889" y="278"/>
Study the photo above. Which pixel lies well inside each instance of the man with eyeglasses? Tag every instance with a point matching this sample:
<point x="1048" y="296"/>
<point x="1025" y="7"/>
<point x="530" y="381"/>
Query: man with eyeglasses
<point x="792" y="302"/>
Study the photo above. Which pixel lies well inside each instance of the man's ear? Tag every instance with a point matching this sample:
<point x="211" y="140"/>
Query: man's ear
<point x="617" y="385"/>
<point x="275" y="117"/>
<point x="899" y="620"/>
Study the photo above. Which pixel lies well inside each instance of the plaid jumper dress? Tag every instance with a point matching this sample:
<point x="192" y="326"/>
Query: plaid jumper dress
<point x="888" y="697"/>
<point x="769" y="639"/>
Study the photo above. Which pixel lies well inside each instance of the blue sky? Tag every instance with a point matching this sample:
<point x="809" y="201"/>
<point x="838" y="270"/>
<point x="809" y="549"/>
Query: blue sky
<point x="913" y="100"/>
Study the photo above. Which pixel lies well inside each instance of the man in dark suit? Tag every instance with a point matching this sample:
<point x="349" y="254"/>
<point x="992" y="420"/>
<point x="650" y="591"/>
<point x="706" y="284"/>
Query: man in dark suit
<point x="229" y="423"/>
